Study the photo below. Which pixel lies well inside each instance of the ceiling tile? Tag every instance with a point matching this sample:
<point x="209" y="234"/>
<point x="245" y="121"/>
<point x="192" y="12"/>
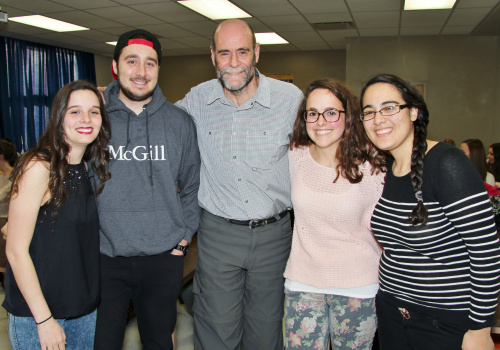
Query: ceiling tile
<point x="86" y="4"/>
<point x="457" y="30"/>
<point x="167" y="30"/>
<point x="428" y="18"/>
<point x="117" y="31"/>
<point x="305" y="36"/>
<point x="286" y="23"/>
<point x="140" y="2"/>
<point x="470" y="16"/>
<point x="204" y="28"/>
<point x="39" y="6"/>
<point x="169" y="12"/>
<point x="319" y="6"/>
<point x="328" y="17"/>
<point x="336" y="35"/>
<point x="95" y="35"/>
<point x="410" y="31"/>
<point x="477" y="3"/>
<point x="376" y="19"/>
<point x="379" y="5"/>
<point x="84" y="19"/>
<point x="125" y="15"/>
<point x="266" y="7"/>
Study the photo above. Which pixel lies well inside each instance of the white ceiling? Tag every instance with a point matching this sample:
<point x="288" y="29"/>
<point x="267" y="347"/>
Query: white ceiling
<point x="184" y="32"/>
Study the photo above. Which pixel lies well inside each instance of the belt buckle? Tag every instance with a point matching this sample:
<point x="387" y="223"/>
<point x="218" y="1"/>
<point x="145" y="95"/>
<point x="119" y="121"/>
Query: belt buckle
<point x="256" y="223"/>
<point x="404" y="312"/>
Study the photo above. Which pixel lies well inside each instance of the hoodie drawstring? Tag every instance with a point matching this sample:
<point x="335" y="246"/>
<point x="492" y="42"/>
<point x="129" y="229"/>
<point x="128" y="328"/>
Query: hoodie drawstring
<point x="148" y="146"/>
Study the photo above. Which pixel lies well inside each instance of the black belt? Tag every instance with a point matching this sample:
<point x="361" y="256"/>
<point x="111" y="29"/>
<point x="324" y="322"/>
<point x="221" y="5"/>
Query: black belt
<point x="258" y="222"/>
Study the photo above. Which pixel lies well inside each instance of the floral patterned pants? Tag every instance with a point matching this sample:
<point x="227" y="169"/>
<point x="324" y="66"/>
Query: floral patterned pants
<point x="311" y="318"/>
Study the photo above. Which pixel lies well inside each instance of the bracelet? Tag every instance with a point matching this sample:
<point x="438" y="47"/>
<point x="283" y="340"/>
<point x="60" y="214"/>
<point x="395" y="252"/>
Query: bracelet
<point x="39" y="323"/>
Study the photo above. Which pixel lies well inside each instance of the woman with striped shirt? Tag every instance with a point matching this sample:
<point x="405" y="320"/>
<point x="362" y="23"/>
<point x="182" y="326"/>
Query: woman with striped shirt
<point x="440" y="270"/>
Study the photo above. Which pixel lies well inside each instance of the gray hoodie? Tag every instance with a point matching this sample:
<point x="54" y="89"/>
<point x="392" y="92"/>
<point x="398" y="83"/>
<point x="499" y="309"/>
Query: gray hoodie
<point x="150" y="203"/>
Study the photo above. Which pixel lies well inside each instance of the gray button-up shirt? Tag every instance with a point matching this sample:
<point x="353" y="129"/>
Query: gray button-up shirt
<point x="244" y="163"/>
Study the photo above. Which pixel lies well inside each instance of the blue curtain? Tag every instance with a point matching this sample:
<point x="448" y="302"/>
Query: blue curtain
<point x="31" y="74"/>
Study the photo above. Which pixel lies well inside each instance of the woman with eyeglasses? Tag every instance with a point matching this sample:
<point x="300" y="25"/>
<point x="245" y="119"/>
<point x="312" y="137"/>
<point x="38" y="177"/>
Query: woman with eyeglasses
<point x="336" y="179"/>
<point x="440" y="269"/>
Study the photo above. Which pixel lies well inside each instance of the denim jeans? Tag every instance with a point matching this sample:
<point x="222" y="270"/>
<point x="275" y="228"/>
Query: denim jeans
<point x="23" y="334"/>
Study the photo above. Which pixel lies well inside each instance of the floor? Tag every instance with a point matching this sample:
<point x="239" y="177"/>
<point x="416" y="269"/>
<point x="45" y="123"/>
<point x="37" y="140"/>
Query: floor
<point x="184" y="333"/>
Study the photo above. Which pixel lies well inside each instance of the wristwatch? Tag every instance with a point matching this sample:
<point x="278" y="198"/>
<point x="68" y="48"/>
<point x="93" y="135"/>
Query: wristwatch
<point x="183" y="248"/>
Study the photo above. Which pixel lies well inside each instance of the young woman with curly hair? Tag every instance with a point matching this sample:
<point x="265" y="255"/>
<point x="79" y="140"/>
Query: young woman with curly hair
<point x="53" y="281"/>
<point x="336" y="180"/>
<point x="440" y="269"/>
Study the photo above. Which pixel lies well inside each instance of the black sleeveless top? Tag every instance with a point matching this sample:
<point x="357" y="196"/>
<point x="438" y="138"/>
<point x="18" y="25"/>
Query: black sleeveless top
<point x="65" y="253"/>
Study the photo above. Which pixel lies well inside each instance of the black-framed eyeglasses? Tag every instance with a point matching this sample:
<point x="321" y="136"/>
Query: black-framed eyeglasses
<point x="330" y="115"/>
<point x="386" y="111"/>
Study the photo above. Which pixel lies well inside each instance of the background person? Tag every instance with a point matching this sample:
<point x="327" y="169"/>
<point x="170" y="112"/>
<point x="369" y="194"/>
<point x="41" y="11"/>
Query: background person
<point x="244" y="122"/>
<point x="494" y="160"/>
<point x="440" y="268"/>
<point x="474" y="149"/>
<point x="8" y="157"/>
<point x="332" y="272"/>
<point x="52" y="285"/>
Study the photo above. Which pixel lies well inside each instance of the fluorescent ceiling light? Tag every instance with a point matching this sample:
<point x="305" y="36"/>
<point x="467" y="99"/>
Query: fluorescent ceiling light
<point x="47" y="23"/>
<point x="112" y="42"/>
<point x="269" y="38"/>
<point x="215" y="9"/>
<point x="429" y="4"/>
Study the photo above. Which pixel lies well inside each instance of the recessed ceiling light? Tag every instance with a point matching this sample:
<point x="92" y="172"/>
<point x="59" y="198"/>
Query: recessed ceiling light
<point x="429" y="4"/>
<point x="112" y="42"/>
<point x="47" y="23"/>
<point x="215" y="9"/>
<point x="269" y="38"/>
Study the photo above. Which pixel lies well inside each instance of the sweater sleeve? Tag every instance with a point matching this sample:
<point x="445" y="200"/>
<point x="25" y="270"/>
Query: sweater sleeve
<point x="189" y="180"/>
<point x="463" y="197"/>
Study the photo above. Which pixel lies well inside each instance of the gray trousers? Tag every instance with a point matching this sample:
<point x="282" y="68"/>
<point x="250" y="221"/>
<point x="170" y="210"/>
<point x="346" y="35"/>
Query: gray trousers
<point x="238" y="285"/>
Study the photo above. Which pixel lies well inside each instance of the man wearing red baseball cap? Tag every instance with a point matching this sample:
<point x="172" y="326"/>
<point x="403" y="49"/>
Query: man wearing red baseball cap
<point x="148" y="210"/>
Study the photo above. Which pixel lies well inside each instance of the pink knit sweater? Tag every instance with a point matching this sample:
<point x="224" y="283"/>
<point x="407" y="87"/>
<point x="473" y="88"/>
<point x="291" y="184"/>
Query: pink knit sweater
<point x="332" y="246"/>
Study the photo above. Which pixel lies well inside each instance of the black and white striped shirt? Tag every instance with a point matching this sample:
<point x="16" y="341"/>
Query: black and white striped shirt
<point x="452" y="264"/>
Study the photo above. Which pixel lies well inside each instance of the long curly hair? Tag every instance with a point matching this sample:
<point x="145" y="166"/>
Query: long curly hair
<point x="413" y="99"/>
<point x="354" y="146"/>
<point x="53" y="149"/>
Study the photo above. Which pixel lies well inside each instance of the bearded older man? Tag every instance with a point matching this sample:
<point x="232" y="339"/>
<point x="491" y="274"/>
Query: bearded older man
<point x="244" y="121"/>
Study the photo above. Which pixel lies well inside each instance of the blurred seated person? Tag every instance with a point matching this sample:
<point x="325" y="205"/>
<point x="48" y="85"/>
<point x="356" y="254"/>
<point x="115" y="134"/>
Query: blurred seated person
<point x="474" y="149"/>
<point x="450" y="141"/>
<point x="494" y="160"/>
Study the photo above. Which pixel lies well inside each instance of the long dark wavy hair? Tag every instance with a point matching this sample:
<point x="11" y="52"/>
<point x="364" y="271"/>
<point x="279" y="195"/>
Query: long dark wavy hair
<point x="354" y="146"/>
<point x="53" y="149"/>
<point x="413" y="99"/>
<point x="477" y="155"/>
<point x="495" y="167"/>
